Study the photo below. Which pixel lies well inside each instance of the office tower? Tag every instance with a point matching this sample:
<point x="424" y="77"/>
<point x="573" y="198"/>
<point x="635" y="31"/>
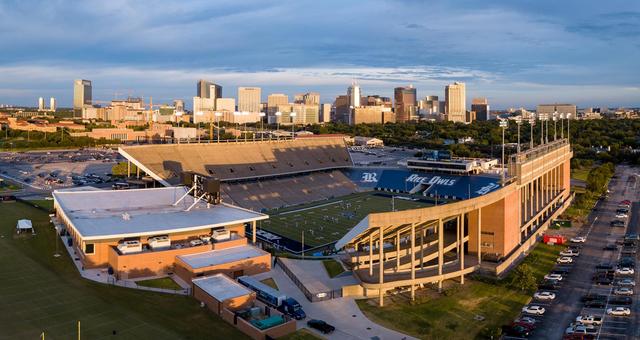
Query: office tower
<point x="560" y="108"/>
<point x="52" y="104"/>
<point x="40" y="104"/>
<point x="306" y="114"/>
<point x="81" y="93"/>
<point x="249" y="99"/>
<point x="275" y="99"/>
<point x="405" y="103"/>
<point x="432" y="104"/>
<point x="370" y="115"/>
<point x="226" y="104"/>
<point x="481" y="107"/>
<point x="342" y="112"/>
<point x="376" y="100"/>
<point x="207" y="89"/>
<point x="311" y="98"/>
<point x="325" y="113"/>
<point x="353" y="92"/>
<point x="179" y="105"/>
<point x="298" y="98"/>
<point x="203" y="104"/>
<point x="455" y="99"/>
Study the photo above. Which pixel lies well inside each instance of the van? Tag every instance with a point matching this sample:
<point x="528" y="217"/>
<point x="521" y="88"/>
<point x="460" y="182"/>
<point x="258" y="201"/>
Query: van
<point x="131" y="246"/>
<point x="159" y="242"/>
<point x="221" y="234"/>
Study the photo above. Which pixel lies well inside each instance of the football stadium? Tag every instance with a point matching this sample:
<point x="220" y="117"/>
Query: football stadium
<point x="420" y="222"/>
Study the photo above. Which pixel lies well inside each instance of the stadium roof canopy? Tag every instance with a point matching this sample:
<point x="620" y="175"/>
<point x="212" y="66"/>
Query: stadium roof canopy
<point x="105" y="214"/>
<point x="221" y="287"/>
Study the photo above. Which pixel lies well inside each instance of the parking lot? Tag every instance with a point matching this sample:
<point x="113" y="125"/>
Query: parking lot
<point x="591" y="284"/>
<point x="45" y="171"/>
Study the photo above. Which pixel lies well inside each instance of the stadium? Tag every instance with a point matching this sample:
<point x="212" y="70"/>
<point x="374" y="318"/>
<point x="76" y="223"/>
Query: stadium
<point x="399" y="226"/>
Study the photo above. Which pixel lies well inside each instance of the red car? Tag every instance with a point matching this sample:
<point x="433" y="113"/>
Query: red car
<point x="526" y="325"/>
<point x="626" y="202"/>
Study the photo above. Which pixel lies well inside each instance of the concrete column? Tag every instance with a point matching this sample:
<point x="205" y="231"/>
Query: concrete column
<point x="253" y="232"/>
<point x="371" y="254"/>
<point x="397" y="250"/>
<point x="381" y="265"/>
<point x="461" y="245"/>
<point x="422" y="248"/>
<point x="479" y="235"/>
<point x="440" y="250"/>
<point x="413" y="259"/>
<point x="531" y="200"/>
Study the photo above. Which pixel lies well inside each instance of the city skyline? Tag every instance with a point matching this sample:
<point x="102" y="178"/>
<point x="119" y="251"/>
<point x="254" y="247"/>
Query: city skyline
<point x="515" y="54"/>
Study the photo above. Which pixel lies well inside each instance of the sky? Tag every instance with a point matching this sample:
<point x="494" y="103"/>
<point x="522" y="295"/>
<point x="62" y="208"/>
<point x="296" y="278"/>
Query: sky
<point x="514" y="52"/>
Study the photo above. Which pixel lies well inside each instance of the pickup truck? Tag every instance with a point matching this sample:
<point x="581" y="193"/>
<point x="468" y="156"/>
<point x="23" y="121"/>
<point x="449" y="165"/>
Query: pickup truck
<point x="589" y="320"/>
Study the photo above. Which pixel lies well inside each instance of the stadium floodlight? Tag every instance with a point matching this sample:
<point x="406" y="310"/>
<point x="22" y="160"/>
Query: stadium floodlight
<point x="555" y="122"/>
<point x="278" y="114"/>
<point x="561" y="125"/>
<point x="542" y="117"/>
<point x="568" y="125"/>
<point x="503" y="124"/>
<point x="293" y="123"/>
<point x="532" y="123"/>
<point x="262" y="115"/>
<point x="518" y="120"/>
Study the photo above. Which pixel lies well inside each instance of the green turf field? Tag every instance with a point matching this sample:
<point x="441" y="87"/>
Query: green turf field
<point x="327" y="221"/>
<point x="41" y="293"/>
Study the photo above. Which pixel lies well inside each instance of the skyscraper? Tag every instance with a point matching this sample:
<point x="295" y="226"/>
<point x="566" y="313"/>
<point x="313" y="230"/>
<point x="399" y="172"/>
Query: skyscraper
<point x="52" y="104"/>
<point x="81" y="93"/>
<point x="207" y="89"/>
<point x="455" y="102"/>
<point x="354" y="95"/>
<point x="311" y="98"/>
<point x="40" y="104"/>
<point x="249" y="99"/>
<point x="275" y="99"/>
<point x="405" y="103"/>
<point x="481" y="107"/>
<point x="179" y="105"/>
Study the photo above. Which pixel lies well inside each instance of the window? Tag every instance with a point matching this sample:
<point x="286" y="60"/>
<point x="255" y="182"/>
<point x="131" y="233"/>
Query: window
<point x="487" y="233"/>
<point x="89" y="248"/>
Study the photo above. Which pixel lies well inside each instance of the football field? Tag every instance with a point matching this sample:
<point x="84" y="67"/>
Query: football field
<point x="327" y="221"/>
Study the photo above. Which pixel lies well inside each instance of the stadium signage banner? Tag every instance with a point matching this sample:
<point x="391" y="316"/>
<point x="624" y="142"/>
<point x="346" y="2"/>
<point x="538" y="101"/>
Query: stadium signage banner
<point x="438" y="180"/>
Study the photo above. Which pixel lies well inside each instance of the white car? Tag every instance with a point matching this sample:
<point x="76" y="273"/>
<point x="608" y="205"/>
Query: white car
<point x="623" y="291"/>
<point x="564" y="259"/>
<point x="569" y="252"/>
<point x="625" y="271"/>
<point x="622" y="215"/>
<point x="557" y="277"/>
<point x="619" y="311"/>
<point x="581" y="329"/>
<point x="195" y="243"/>
<point x="626" y="283"/>
<point x="544" y="296"/>
<point x="533" y="310"/>
<point x="589" y="320"/>
<point x="579" y="239"/>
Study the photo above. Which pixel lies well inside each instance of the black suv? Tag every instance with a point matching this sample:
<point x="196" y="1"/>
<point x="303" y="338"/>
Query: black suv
<point x="621" y="300"/>
<point x="592" y="297"/>
<point x="320" y="325"/>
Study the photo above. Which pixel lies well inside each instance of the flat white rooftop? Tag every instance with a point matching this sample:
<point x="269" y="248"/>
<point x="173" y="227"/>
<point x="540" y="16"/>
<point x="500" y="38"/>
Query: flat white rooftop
<point x="221" y="287"/>
<point x="217" y="257"/>
<point x="108" y="214"/>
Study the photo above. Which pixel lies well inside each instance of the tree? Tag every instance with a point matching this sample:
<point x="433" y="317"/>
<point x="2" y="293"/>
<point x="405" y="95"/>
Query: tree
<point x="523" y="278"/>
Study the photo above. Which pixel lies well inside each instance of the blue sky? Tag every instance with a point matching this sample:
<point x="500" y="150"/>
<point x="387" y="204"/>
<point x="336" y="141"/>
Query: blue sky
<point x="515" y="52"/>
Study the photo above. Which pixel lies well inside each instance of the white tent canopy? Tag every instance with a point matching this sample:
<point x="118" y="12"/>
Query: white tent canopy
<point x="24" y="225"/>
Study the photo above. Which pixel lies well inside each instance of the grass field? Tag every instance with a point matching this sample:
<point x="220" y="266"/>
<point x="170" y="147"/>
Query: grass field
<point x="580" y="174"/>
<point x="163" y="282"/>
<point x="328" y="221"/>
<point x="47" y="204"/>
<point x="301" y="334"/>
<point x="451" y="315"/>
<point x="333" y="268"/>
<point x="41" y="293"/>
<point x="270" y="282"/>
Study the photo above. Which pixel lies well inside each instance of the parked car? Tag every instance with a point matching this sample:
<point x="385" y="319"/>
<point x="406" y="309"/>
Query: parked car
<point x="517" y="331"/>
<point x="620" y="300"/>
<point x="544" y="295"/>
<point x="581" y="329"/>
<point x="622" y="210"/>
<point x="625" y="271"/>
<point x="578" y="239"/>
<point x="561" y="270"/>
<point x="526" y="319"/>
<point x="623" y="291"/>
<point x="533" y="309"/>
<point x="619" y="311"/>
<point x="595" y="304"/>
<point x="564" y="259"/>
<point x="626" y="282"/>
<point x="629" y="250"/>
<point x="611" y="246"/>
<point x="592" y="297"/>
<point x="526" y="325"/>
<point x="617" y="223"/>
<point x="549" y="285"/>
<point x="320" y="325"/>
<point x="607" y="266"/>
<point x="622" y="216"/>
<point x="589" y="319"/>
<point x="553" y="277"/>
<point x="570" y="252"/>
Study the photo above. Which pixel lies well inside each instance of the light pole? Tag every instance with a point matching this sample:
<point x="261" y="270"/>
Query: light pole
<point x="562" y="125"/>
<point x="262" y="115"/>
<point x="245" y="114"/>
<point x="293" y="123"/>
<point x="217" y="115"/>
<point x="532" y="123"/>
<point x="199" y="113"/>
<point x="555" y="121"/>
<point x="236" y="114"/>
<point x="568" y="126"/>
<point x="542" y="117"/>
<point x="278" y="115"/>
<point x="503" y="125"/>
<point x="518" y="122"/>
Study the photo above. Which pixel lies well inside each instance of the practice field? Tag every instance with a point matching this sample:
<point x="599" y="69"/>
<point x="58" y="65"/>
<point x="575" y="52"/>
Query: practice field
<point x="328" y="221"/>
<point x="42" y="293"/>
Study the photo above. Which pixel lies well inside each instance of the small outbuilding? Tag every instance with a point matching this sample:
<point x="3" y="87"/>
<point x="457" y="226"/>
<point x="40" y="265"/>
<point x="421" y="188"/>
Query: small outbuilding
<point x="24" y="226"/>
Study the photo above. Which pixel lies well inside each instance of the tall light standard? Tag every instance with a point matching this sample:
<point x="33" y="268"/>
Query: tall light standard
<point x="236" y="118"/>
<point x="555" y="122"/>
<point x="293" y="123"/>
<point x="503" y="125"/>
<point x="278" y="115"/>
<point x="262" y="115"/>
<point x="562" y="125"/>
<point x="532" y="123"/>
<point x="217" y="115"/>
<point x="199" y="114"/>
<point x="568" y="126"/>
<point x="518" y="122"/>
<point x="542" y="117"/>
<point x="245" y="114"/>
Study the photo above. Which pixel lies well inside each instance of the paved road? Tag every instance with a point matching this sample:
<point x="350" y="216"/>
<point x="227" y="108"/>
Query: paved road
<point x="567" y="305"/>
